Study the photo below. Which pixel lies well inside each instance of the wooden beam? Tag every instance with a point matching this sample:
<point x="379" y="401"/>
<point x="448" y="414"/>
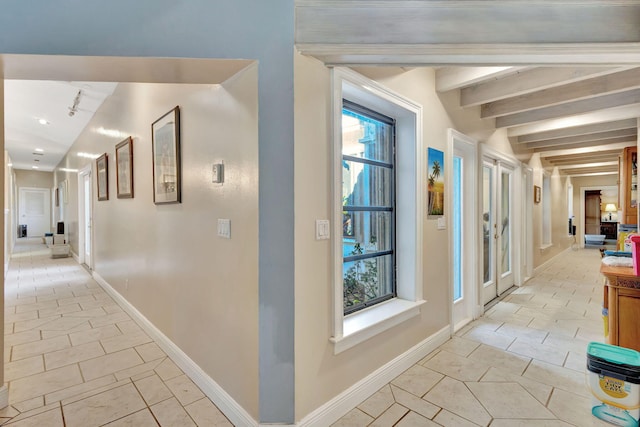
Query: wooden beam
<point x="570" y="108"/>
<point x="579" y="130"/>
<point x="610" y="169"/>
<point x="581" y="150"/>
<point x="583" y="144"/>
<point x="585" y="89"/>
<point x="528" y="81"/>
<point x="574" y="160"/>
<point x="588" y="165"/>
<point x="449" y="78"/>
<point x="593" y="174"/>
<point x="603" y="138"/>
<point x="602" y="116"/>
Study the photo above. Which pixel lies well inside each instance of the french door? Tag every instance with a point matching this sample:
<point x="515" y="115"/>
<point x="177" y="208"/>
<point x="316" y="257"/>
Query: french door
<point x="497" y="228"/>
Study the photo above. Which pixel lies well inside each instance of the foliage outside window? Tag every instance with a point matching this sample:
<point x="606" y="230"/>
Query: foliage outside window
<point x="368" y="204"/>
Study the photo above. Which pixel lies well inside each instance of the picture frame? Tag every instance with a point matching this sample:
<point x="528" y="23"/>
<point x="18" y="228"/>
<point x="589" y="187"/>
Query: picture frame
<point x="435" y="183"/>
<point x="165" y="145"/>
<point x="102" y="176"/>
<point x="124" y="169"/>
<point x="536" y="194"/>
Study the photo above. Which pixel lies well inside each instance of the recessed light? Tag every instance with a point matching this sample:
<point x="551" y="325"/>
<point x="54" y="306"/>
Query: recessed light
<point x="39" y="150"/>
<point x="43" y="122"/>
<point x="34" y="167"/>
<point x="9" y="164"/>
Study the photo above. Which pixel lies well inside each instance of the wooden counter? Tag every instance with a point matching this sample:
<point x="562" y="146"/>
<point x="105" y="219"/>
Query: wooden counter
<point x="623" y="292"/>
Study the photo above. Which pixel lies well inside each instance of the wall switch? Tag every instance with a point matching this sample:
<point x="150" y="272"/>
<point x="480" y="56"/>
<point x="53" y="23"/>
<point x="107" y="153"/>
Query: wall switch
<point x="322" y="229"/>
<point x="224" y="228"/>
<point x="218" y="173"/>
<point x="442" y="223"/>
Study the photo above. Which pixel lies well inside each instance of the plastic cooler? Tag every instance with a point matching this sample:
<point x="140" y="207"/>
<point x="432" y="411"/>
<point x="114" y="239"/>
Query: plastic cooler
<point x="614" y="380"/>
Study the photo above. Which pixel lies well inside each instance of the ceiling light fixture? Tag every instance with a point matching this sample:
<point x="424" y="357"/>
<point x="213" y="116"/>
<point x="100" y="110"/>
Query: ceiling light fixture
<point x="88" y="155"/>
<point x="43" y="122"/>
<point x="38" y="150"/>
<point x="68" y="170"/>
<point x="76" y="101"/>
<point x="35" y="167"/>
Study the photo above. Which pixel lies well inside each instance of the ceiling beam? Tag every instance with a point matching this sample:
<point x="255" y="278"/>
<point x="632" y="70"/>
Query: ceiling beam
<point x="449" y="78"/>
<point x="570" y="108"/>
<point x="602" y="116"/>
<point x="582" y="150"/>
<point x="602" y="138"/>
<point x="528" y="81"/>
<point x="593" y="174"/>
<point x="574" y="160"/>
<point x="580" y="130"/>
<point x="623" y="140"/>
<point x="611" y="170"/>
<point x="588" y="165"/>
<point x="585" y="89"/>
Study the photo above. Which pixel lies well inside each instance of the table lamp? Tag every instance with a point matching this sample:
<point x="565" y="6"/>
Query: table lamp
<point x="610" y="207"/>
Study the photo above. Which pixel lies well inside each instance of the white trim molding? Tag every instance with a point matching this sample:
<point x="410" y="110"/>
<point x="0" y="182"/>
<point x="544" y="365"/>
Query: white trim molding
<point x="340" y="405"/>
<point x="231" y="409"/>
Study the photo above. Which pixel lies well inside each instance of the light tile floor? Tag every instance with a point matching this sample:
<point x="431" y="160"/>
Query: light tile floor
<point x="522" y="364"/>
<point x="74" y="358"/>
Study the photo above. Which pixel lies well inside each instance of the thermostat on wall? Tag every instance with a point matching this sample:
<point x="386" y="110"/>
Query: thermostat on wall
<point x="218" y="173"/>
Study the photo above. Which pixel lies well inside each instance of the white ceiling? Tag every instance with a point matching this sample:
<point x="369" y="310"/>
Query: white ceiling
<point x="29" y="101"/>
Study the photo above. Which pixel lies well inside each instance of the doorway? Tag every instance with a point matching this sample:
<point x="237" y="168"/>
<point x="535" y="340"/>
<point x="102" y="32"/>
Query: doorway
<point x="497" y="208"/>
<point x="592" y="212"/>
<point x="463" y="229"/>
<point x="85" y="217"/>
<point x="34" y="211"/>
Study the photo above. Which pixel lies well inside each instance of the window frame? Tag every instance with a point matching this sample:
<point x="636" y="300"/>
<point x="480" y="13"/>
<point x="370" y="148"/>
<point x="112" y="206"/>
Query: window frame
<point x="352" y="329"/>
<point x="391" y="166"/>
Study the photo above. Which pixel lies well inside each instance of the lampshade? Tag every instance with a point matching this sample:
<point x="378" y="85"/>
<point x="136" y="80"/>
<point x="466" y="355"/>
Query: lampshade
<point x="610" y="207"/>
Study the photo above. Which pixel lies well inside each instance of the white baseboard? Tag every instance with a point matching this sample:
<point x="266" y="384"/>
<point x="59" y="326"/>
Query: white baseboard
<point x="236" y="413"/>
<point x="4" y="397"/>
<point x="340" y="405"/>
<point x="75" y="257"/>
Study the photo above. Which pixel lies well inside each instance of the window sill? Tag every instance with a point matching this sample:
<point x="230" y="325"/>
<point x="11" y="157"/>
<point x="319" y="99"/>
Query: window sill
<point x="365" y="324"/>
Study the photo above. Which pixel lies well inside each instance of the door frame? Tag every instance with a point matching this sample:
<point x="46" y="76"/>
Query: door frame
<point x="583" y="191"/>
<point x="82" y="226"/>
<point x="471" y="270"/>
<point x="47" y="202"/>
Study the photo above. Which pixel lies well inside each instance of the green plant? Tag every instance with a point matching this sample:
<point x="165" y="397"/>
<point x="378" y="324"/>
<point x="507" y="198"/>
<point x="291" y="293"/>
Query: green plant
<point x="361" y="279"/>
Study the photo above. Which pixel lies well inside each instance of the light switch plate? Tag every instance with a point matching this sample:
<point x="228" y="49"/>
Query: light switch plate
<point x="442" y="223"/>
<point x="224" y="228"/>
<point x="322" y="229"/>
<point x="218" y="173"/>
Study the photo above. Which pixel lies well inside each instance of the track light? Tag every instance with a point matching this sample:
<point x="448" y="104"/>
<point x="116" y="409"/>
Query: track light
<point x="76" y="101"/>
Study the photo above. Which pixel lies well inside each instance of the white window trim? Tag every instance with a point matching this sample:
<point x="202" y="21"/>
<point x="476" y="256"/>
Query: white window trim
<point x="355" y="328"/>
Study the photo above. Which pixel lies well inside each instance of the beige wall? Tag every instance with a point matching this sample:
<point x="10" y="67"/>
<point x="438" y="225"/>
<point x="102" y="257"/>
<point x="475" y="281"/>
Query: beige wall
<point x="35" y="179"/>
<point x="200" y="290"/>
<point x="321" y="375"/>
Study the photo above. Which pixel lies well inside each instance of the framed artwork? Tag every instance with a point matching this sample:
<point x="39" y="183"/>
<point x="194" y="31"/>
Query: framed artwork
<point x="124" y="169"/>
<point x="536" y="194"/>
<point x="165" y="145"/>
<point x="435" y="182"/>
<point x="102" y="166"/>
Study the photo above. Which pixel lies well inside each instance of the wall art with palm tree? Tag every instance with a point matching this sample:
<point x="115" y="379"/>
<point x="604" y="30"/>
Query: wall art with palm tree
<point x="435" y="182"/>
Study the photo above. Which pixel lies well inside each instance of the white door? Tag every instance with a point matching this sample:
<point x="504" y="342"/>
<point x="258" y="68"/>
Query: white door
<point x="497" y="208"/>
<point x="463" y="229"/>
<point x="34" y="211"/>
<point x="84" y="207"/>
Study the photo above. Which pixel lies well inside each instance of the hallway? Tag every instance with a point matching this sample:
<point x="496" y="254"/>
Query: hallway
<point x="522" y="364"/>
<point x="75" y="358"/>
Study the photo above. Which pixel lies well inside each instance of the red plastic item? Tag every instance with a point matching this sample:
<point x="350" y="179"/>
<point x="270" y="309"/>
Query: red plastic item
<point x="635" y="252"/>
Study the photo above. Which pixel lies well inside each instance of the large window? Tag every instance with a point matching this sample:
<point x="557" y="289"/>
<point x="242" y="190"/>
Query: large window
<point x="378" y="211"/>
<point x="368" y="216"/>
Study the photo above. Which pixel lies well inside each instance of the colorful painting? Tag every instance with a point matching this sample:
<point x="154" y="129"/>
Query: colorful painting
<point x="435" y="182"/>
